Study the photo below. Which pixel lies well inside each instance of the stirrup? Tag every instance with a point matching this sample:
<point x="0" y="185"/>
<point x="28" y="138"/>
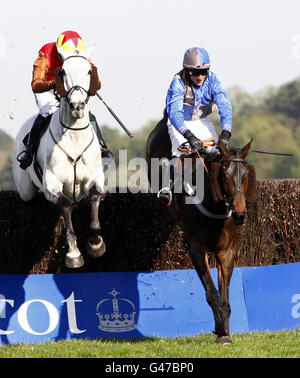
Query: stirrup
<point x="162" y="196"/>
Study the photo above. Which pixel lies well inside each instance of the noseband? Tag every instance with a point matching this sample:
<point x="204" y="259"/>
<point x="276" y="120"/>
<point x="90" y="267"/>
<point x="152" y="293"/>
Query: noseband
<point x="77" y="88"/>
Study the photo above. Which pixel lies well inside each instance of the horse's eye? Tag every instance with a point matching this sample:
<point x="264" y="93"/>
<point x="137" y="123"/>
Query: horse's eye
<point x="62" y="72"/>
<point x="90" y="71"/>
<point x="225" y="174"/>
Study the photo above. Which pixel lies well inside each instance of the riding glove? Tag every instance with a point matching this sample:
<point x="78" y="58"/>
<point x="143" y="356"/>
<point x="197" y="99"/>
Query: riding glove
<point x="225" y="137"/>
<point x="193" y="141"/>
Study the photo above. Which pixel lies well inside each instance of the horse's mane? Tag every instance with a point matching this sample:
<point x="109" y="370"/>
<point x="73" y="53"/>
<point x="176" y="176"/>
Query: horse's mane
<point x="251" y="190"/>
<point x="214" y="171"/>
<point x="95" y="83"/>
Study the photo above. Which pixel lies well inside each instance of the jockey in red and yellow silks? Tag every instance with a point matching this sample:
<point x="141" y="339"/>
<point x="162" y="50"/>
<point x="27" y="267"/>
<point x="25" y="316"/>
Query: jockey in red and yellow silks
<point x="43" y="86"/>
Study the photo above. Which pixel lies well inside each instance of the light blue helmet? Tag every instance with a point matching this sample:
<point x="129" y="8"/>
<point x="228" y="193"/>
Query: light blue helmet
<point x="196" y="58"/>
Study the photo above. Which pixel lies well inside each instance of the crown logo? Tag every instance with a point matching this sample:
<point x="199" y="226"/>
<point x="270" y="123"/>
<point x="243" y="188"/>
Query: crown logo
<point x="111" y="319"/>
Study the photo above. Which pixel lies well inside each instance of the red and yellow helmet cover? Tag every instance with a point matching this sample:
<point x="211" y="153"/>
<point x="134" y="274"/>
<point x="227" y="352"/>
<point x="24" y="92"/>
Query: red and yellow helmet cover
<point x="70" y="41"/>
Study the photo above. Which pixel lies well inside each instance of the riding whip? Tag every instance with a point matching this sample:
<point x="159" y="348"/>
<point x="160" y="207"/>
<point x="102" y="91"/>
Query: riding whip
<point x="272" y="153"/>
<point x="115" y="117"/>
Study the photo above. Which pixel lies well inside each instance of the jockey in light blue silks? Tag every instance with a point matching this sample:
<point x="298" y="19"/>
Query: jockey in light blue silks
<point x="193" y="94"/>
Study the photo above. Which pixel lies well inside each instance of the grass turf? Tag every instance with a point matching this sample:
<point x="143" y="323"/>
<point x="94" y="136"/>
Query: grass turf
<point x="283" y="344"/>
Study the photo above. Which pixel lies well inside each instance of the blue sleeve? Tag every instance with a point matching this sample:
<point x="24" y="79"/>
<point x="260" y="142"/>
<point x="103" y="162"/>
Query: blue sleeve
<point x="223" y="103"/>
<point x="174" y="104"/>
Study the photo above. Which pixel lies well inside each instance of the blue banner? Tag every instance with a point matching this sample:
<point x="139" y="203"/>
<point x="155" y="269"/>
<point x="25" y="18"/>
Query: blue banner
<point x="272" y="297"/>
<point x="38" y="308"/>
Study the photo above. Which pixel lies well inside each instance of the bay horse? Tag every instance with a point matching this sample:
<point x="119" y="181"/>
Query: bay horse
<point x="211" y="226"/>
<point x="68" y="159"/>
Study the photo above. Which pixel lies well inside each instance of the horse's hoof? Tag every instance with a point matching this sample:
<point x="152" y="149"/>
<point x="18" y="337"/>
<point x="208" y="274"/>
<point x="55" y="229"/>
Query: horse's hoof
<point x="75" y="262"/>
<point x="96" y="249"/>
<point x="225" y="340"/>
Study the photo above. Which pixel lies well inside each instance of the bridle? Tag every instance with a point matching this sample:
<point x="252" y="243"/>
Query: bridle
<point x="68" y="95"/>
<point x="238" y="189"/>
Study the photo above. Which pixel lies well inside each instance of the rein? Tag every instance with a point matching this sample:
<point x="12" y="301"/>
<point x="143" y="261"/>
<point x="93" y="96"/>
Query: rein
<point x="208" y="213"/>
<point x="206" y="143"/>
<point x="234" y="160"/>
<point x="199" y="206"/>
<point x="197" y="203"/>
<point x="72" y="128"/>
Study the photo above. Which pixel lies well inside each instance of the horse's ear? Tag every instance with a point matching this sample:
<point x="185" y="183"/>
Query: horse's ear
<point x="95" y="83"/>
<point x="60" y="88"/>
<point x="223" y="149"/>
<point x="251" y="190"/>
<point x="246" y="149"/>
<point x="88" y="52"/>
<point x="214" y="182"/>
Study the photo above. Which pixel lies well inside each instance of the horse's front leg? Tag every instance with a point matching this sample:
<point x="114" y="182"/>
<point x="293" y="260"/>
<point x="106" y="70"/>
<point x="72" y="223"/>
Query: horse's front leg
<point x="200" y="260"/>
<point x="53" y="193"/>
<point x="225" y="263"/>
<point x="95" y="246"/>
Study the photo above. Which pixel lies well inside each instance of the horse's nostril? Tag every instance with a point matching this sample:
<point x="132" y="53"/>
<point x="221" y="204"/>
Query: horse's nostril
<point x="238" y="218"/>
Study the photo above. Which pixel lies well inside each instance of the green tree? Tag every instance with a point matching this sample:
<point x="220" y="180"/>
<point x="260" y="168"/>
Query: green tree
<point x="286" y="100"/>
<point x="269" y="133"/>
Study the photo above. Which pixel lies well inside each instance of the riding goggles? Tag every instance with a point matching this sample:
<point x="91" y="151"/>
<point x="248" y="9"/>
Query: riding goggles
<point x="202" y="72"/>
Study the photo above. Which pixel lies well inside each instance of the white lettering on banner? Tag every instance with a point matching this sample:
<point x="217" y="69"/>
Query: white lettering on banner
<point x="3" y="312"/>
<point x="72" y="313"/>
<point x="296" y="308"/>
<point x="53" y="317"/>
<point x="52" y="312"/>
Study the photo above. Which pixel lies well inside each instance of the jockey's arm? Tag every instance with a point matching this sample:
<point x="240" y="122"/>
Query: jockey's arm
<point x="223" y="103"/>
<point x="39" y="81"/>
<point x="99" y="82"/>
<point x="174" y="104"/>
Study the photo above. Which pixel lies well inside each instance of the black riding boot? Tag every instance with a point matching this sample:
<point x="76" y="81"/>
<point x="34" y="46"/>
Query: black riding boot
<point x="104" y="150"/>
<point x="40" y="123"/>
